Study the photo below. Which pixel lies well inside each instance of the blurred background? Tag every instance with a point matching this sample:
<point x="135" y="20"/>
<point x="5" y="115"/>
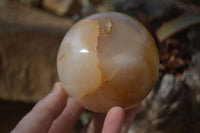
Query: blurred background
<point x="30" y="35"/>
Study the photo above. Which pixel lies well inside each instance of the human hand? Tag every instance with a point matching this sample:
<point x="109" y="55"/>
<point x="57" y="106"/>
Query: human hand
<point x="53" y="115"/>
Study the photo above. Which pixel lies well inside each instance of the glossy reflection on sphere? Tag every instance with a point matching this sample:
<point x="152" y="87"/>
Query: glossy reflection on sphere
<point x="106" y="60"/>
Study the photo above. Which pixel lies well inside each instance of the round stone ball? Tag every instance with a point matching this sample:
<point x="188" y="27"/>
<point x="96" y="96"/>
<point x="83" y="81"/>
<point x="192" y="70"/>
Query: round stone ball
<point x="106" y="60"/>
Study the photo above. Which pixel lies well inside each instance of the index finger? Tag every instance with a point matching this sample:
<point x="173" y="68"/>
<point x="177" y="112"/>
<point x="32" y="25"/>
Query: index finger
<point x="40" y="118"/>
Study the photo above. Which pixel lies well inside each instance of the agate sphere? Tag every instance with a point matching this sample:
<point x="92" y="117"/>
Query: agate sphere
<point x="106" y="60"/>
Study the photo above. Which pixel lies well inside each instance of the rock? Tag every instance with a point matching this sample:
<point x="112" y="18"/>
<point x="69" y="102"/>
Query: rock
<point x="161" y="9"/>
<point x="132" y="4"/>
<point x="192" y="76"/>
<point x="169" y="88"/>
<point x="28" y="63"/>
<point x="108" y="5"/>
<point x="30" y="2"/>
<point x="154" y="9"/>
<point x="59" y="7"/>
<point x="87" y="8"/>
<point x="167" y="84"/>
<point x="96" y="2"/>
<point x="13" y="13"/>
<point x="172" y="106"/>
<point x="29" y="43"/>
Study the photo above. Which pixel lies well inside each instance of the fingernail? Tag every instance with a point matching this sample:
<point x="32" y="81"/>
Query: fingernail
<point x="55" y="87"/>
<point x="118" y="108"/>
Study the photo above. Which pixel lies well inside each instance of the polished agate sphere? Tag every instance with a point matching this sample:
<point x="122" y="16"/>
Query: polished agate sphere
<point x="107" y="60"/>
